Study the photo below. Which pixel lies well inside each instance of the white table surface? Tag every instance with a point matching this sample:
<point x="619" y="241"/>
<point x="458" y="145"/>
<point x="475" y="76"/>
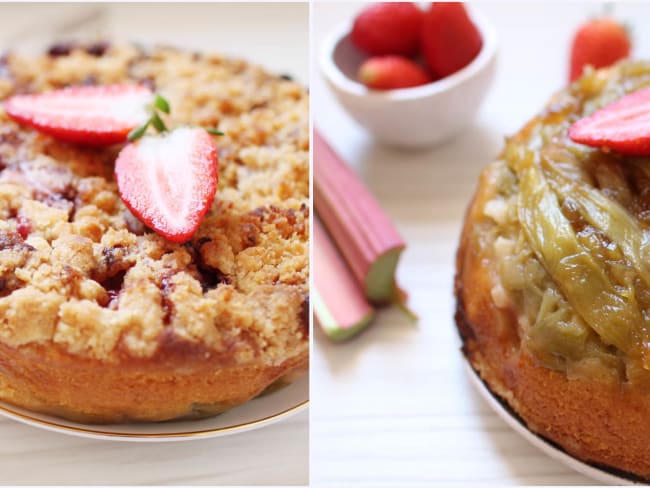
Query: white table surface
<point x="394" y="406"/>
<point x="275" y="36"/>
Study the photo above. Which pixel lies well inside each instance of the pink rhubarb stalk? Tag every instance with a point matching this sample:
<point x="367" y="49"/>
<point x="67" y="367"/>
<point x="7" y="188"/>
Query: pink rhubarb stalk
<point x="362" y="231"/>
<point x="340" y="307"/>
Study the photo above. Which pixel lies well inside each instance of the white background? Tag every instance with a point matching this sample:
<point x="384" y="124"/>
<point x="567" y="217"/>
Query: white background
<point x="394" y="406"/>
<point x="275" y="36"/>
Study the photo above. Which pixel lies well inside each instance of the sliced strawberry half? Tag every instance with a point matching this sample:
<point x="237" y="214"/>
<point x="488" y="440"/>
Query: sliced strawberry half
<point x="169" y="180"/>
<point x="622" y="126"/>
<point x="87" y="115"/>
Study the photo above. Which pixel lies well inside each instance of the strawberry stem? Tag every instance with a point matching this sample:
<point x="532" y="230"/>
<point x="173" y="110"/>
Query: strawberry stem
<point x="161" y="104"/>
<point x="157" y="122"/>
<point x="138" y="132"/>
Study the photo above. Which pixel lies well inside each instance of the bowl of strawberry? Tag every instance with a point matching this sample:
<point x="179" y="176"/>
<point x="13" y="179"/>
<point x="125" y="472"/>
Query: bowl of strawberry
<point x="412" y="77"/>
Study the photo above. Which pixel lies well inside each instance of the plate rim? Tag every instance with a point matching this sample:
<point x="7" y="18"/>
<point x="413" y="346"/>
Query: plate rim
<point x="517" y="424"/>
<point x="87" y="430"/>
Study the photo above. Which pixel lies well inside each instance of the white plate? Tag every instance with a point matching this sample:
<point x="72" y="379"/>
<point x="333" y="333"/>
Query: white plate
<point x="594" y="472"/>
<point x="256" y="413"/>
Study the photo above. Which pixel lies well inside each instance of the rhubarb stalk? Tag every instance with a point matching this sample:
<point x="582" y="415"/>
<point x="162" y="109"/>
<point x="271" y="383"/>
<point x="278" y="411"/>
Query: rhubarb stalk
<point x="364" y="234"/>
<point x="340" y="307"/>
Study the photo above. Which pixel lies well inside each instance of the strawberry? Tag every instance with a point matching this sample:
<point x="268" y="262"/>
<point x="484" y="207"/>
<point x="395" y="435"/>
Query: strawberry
<point x="449" y="40"/>
<point x="388" y="28"/>
<point x="600" y="43"/>
<point x="389" y="72"/>
<point x="622" y="126"/>
<point x="169" y="180"/>
<point x="88" y="115"/>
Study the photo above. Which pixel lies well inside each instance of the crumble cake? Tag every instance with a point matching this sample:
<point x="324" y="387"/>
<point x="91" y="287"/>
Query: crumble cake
<point x="103" y="320"/>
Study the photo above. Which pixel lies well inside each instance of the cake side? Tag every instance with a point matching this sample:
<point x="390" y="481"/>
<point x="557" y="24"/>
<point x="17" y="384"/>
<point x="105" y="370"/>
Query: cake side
<point x="46" y="381"/>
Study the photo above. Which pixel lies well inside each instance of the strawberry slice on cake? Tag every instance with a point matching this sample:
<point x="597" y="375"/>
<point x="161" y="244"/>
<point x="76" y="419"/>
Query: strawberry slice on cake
<point x="86" y="115"/>
<point x="169" y="180"/>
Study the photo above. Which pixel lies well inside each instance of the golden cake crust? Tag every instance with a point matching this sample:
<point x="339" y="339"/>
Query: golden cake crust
<point x="595" y="419"/>
<point x="102" y="320"/>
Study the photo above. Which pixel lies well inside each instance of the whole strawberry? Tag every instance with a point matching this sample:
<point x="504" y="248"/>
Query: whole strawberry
<point x="390" y="72"/>
<point x="450" y="40"/>
<point x="388" y="28"/>
<point x="599" y="43"/>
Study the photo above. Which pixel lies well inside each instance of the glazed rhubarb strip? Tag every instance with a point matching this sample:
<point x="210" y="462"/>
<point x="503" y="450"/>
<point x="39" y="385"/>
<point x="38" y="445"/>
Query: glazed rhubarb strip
<point x="362" y="231"/>
<point x="341" y="308"/>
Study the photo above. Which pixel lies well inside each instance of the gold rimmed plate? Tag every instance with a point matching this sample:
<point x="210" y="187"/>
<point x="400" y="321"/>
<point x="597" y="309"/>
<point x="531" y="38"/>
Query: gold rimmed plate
<point x="595" y="472"/>
<point x="259" y="412"/>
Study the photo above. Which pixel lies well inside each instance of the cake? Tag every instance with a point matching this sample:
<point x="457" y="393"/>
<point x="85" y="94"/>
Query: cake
<point x="103" y="320"/>
<point x="553" y="282"/>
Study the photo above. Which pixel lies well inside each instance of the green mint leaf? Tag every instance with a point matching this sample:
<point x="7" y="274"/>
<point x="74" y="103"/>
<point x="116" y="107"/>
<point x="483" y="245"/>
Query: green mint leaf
<point x="157" y="122"/>
<point x="138" y="132"/>
<point x="161" y="104"/>
<point x="215" y="132"/>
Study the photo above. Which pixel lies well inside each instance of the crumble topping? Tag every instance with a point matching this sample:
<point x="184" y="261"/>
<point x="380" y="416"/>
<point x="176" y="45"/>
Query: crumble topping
<point x="79" y="270"/>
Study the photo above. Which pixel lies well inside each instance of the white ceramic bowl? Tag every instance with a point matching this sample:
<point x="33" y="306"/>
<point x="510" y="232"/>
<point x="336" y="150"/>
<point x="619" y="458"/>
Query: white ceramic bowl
<point x="422" y="116"/>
